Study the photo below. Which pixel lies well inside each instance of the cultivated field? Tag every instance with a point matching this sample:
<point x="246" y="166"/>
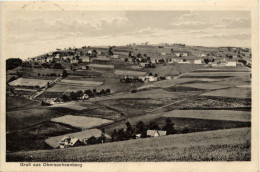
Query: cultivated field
<point x="222" y="145"/>
<point x="129" y="72"/>
<point x="81" y="122"/>
<point x="243" y="93"/>
<point x="29" y="82"/>
<point x="101" y="66"/>
<point x="229" y="115"/>
<point x="73" y="85"/>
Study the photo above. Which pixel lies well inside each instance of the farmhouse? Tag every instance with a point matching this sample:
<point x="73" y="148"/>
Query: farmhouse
<point x="155" y="133"/>
<point x="49" y="59"/>
<point x="198" y="61"/>
<point x="115" y="56"/>
<point x="69" y="142"/>
<point x="74" y="61"/>
<point x="74" y="139"/>
<point x="85" y="59"/>
<point x="181" y="53"/>
<point x="231" y="63"/>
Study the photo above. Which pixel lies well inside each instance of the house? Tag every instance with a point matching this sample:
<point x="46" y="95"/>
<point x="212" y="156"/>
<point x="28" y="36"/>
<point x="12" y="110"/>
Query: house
<point x="85" y="59"/>
<point x="115" y="56"/>
<point x="49" y="59"/>
<point x="163" y="53"/>
<point x="231" y="63"/>
<point x="198" y="61"/>
<point x="69" y="142"/>
<point x="156" y="133"/>
<point x="143" y="64"/>
<point x="168" y="77"/>
<point x="74" y="61"/>
<point x="84" y="97"/>
<point x="203" y="55"/>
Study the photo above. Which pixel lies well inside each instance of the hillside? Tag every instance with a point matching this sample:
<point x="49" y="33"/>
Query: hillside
<point x="218" y="145"/>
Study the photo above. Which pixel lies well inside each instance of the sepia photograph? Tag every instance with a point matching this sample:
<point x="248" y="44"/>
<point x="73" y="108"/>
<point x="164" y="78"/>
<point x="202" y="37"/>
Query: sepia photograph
<point x="126" y="85"/>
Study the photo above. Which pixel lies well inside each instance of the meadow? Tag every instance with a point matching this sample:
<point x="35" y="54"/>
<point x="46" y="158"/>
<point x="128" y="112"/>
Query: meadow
<point x="218" y="145"/>
<point x="29" y="82"/>
<point x="81" y="122"/>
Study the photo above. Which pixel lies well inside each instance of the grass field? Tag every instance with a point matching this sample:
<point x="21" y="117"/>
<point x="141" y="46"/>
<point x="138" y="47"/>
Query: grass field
<point x="33" y="138"/>
<point x="211" y="114"/>
<point x="81" y="122"/>
<point x="24" y="118"/>
<point x="12" y="103"/>
<point x="54" y="141"/>
<point x="101" y="66"/>
<point x="221" y="145"/>
<point x="73" y="85"/>
<point x="29" y="82"/>
<point x="129" y="73"/>
<point x="243" y="93"/>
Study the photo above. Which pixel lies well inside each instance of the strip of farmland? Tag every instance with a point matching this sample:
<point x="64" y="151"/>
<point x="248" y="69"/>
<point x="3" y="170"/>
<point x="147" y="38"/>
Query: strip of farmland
<point x="29" y="82"/>
<point x="129" y="72"/>
<point x="81" y="122"/>
<point x="101" y="66"/>
<point x="211" y="115"/>
<point x="244" y="93"/>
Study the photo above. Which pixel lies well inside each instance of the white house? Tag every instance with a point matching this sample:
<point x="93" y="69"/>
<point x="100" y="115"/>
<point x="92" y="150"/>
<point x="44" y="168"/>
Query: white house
<point x="74" y="61"/>
<point x="177" y="54"/>
<point x="85" y="59"/>
<point x="163" y="53"/>
<point x="203" y="55"/>
<point x="155" y="133"/>
<point x="49" y="59"/>
<point x="115" y="56"/>
<point x="198" y="61"/>
<point x="184" y="54"/>
<point x="231" y="63"/>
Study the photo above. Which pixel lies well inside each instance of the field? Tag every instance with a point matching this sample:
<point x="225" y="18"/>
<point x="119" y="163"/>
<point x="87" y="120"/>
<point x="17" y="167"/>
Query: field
<point x="218" y="145"/>
<point x="66" y="85"/>
<point x="54" y="141"/>
<point x="215" y="74"/>
<point x="81" y="122"/>
<point x="33" y="138"/>
<point x="13" y="103"/>
<point x="243" y="93"/>
<point x="27" y="117"/>
<point x="101" y="66"/>
<point x="29" y="82"/>
<point x="129" y="72"/>
<point x="211" y="115"/>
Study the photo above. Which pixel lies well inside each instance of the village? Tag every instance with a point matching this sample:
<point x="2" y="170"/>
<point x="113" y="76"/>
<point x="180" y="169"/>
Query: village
<point x="95" y="95"/>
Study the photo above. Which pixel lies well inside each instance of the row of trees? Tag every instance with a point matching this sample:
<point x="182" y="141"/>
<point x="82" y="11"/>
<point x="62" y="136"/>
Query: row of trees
<point x="140" y="128"/>
<point x="90" y="93"/>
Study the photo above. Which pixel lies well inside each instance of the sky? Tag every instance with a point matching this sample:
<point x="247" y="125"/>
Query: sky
<point x="31" y="33"/>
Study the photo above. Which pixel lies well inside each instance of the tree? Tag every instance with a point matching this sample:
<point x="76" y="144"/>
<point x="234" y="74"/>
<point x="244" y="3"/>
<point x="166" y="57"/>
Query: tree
<point x="94" y="91"/>
<point x="169" y="126"/>
<point x="92" y="140"/>
<point x="128" y="130"/>
<point x="206" y="60"/>
<point x="108" y="91"/>
<point x="141" y="129"/>
<point x="153" y="126"/>
<point x="130" y="54"/>
<point x="79" y="94"/>
<point x="110" y="51"/>
<point x="73" y="96"/>
<point x="64" y="74"/>
<point x="155" y="75"/>
<point x="13" y="63"/>
<point x="126" y="59"/>
<point x="114" y="134"/>
<point x="39" y="74"/>
<point x="65" y="97"/>
<point x="150" y="74"/>
<point x="102" y="92"/>
<point x="57" y="66"/>
<point x="89" y="93"/>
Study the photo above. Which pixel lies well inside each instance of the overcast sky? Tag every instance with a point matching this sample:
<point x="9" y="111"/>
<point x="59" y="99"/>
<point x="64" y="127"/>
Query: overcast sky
<point x="32" y="33"/>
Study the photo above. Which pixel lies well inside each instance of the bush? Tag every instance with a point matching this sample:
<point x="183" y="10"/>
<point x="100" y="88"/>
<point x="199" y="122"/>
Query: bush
<point x="133" y="91"/>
